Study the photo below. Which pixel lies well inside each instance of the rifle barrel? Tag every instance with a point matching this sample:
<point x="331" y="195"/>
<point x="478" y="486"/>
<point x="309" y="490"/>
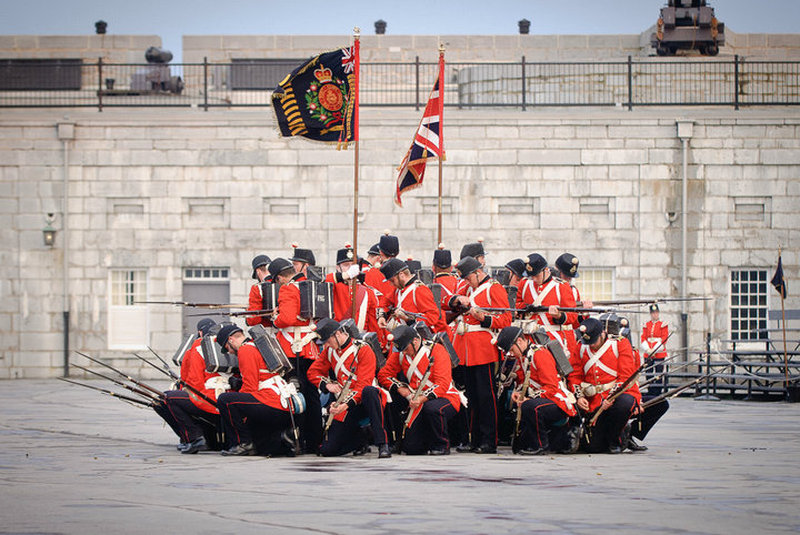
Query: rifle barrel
<point x="157" y="392"/>
<point x="108" y="392"/>
<point x="145" y="394"/>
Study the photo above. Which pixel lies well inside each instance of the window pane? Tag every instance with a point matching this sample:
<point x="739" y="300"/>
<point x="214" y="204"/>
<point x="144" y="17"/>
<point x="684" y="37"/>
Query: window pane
<point x="748" y="304"/>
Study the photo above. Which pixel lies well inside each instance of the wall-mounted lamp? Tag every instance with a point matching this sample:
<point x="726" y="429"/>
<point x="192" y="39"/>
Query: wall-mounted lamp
<point x="48" y="232"/>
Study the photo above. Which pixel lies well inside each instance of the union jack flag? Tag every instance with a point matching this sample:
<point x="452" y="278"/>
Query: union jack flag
<point x="428" y="142"/>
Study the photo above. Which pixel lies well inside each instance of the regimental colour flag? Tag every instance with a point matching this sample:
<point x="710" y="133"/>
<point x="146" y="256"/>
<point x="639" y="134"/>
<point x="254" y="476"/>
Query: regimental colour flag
<point x="428" y="142"/>
<point x="319" y="99"/>
<point x="778" y="281"/>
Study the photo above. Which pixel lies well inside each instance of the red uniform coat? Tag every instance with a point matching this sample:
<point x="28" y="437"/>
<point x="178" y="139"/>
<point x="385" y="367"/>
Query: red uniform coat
<point x="255" y="301"/>
<point x="193" y="373"/>
<point x="254" y="374"/>
<point x="418" y="298"/>
<point x="449" y="284"/>
<point x="475" y="347"/>
<point x="342" y="298"/>
<point x="553" y="291"/>
<point x="544" y="376"/>
<point x="654" y="334"/>
<point x="440" y="379"/>
<point x="374" y="278"/>
<point x="340" y="361"/>
<point x="288" y="319"/>
<point x="612" y="363"/>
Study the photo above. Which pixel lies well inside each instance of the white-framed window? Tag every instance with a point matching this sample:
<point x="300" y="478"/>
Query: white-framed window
<point x="206" y="274"/>
<point x="128" y="326"/>
<point x="595" y="283"/>
<point x="749" y="305"/>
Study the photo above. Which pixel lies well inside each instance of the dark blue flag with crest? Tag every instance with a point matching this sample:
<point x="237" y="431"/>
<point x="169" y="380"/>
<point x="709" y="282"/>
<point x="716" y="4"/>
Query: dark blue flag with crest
<point x="778" y="280"/>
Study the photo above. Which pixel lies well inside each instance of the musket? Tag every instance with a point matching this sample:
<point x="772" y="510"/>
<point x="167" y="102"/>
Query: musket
<point x="144" y="393"/>
<point x="523" y="392"/>
<point x="625" y="385"/>
<point x="417" y="392"/>
<point x="677" y="390"/>
<point x="109" y="393"/>
<point x="164" y="362"/>
<point x="157" y="392"/>
<point x="192" y="305"/>
<point x="344" y="393"/>
<point x="181" y="382"/>
<point x="659" y="376"/>
<point x="608" y="302"/>
<point x="544" y="308"/>
<point x="262" y="312"/>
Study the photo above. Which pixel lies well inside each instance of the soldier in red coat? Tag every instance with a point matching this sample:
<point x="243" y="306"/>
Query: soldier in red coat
<point x="255" y="300"/>
<point x="186" y="412"/>
<point x="260" y="406"/>
<point x="301" y="259"/>
<point x="473" y="343"/>
<point x="442" y="267"/>
<point x="410" y="296"/>
<point x="429" y="392"/>
<point x="654" y="347"/>
<point x="547" y="405"/>
<point x="342" y="279"/>
<point x="296" y="337"/>
<point x="605" y="364"/>
<point x="352" y="364"/>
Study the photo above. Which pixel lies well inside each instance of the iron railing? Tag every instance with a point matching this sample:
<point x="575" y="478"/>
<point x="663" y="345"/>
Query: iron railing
<point x="523" y="84"/>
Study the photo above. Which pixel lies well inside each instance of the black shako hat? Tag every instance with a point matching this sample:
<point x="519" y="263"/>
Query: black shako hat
<point x="413" y="265"/>
<point x="326" y="328"/>
<point x="345" y="255"/>
<point x="303" y="255"/>
<point x="402" y="336"/>
<point x="260" y="260"/>
<point x="279" y="265"/>
<point x="654" y="307"/>
<point x="517" y="267"/>
<point x="467" y="265"/>
<point x="392" y="267"/>
<point x="535" y="264"/>
<point x="224" y="333"/>
<point x="568" y="265"/>
<point x="205" y="325"/>
<point x="590" y="330"/>
<point x="474" y="249"/>
<point x="389" y="245"/>
<point x="507" y="337"/>
<point x="442" y="257"/>
<point x="375" y="250"/>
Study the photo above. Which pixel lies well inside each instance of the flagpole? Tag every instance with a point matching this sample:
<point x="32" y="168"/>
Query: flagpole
<point x="441" y="134"/>
<point x="783" y="324"/>
<point x="357" y="54"/>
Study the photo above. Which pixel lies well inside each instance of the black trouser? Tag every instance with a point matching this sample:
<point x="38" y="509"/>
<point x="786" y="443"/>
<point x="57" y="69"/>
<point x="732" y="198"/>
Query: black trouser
<point x="345" y="436"/>
<point x="185" y="414"/>
<point x="428" y="431"/>
<point x="609" y="429"/>
<point x="244" y="418"/>
<point x="310" y="422"/>
<point x="655" y="367"/>
<point x="459" y="425"/>
<point x="645" y="421"/>
<point x="540" y="419"/>
<point x="482" y="398"/>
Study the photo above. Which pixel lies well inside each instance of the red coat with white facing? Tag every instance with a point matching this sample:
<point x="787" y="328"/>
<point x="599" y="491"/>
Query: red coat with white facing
<point x="610" y="366"/>
<point x="418" y="298"/>
<point x="256" y="380"/>
<point x="654" y="335"/>
<point x="474" y="347"/>
<point x="553" y="291"/>
<point x="193" y="373"/>
<point x="255" y="301"/>
<point x="440" y="379"/>
<point x="544" y="376"/>
<point x="289" y="322"/>
<point x="340" y="362"/>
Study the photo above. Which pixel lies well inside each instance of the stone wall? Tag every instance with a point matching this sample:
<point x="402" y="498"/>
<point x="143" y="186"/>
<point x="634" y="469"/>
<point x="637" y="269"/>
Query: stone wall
<point x="175" y="188"/>
<point x="112" y="48"/>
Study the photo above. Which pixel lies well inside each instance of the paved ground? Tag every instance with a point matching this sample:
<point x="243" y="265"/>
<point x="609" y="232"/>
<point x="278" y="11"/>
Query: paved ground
<point x="74" y="461"/>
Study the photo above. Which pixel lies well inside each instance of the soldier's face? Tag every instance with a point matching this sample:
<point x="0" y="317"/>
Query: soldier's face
<point x="261" y="273"/>
<point x="344" y="266"/>
<point x="654" y="315"/>
<point x="299" y="266"/>
<point x="516" y="349"/>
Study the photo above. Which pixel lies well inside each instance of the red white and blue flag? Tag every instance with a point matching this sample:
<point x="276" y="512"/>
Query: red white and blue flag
<point x="428" y="141"/>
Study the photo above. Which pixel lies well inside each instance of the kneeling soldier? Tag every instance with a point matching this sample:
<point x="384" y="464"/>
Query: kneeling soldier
<point x="353" y="364"/>
<point x="262" y="403"/>
<point x="543" y="401"/>
<point x="432" y="398"/>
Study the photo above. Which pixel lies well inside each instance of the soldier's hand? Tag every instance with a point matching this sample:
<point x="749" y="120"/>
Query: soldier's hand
<point x="382" y="322"/>
<point x="477" y="313"/>
<point x="415" y="402"/>
<point x="351" y="273"/>
<point x="403" y="391"/>
<point x="337" y="408"/>
<point x="554" y="311"/>
<point x="587" y="303"/>
<point x="463" y="301"/>
<point x="399" y="314"/>
<point x="517" y="398"/>
<point x="583" y="404"/>
<point x="606" y="404"/>
<point x="334" y="388"/>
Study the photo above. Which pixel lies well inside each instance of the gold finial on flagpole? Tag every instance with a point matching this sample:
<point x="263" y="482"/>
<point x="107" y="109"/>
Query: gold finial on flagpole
<point x="356" y="32"/>
<point x="441" y="47"/>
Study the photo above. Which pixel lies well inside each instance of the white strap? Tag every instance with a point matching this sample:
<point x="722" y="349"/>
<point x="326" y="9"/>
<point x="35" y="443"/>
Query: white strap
<point x="483" y="288"/>
<point x="414" y="363"/>
<point x="339" y="366"/>
<point x="594" y="358"/>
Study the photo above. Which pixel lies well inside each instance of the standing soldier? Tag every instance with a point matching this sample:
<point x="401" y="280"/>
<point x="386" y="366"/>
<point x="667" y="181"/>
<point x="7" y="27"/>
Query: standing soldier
<point x="473" y="343"/>
<point x="432" y="398"/>
<point x="353" y="365"/>
<point x="184" y="408"/>
<point x="605" y="364"/>
<point x="346" y="271"/>
<point x="295" y="334"/>
<point x="410" y="295"/>
<point x="517" y="269"/>
<point x="261" y="403"/>
<point x="256" y="299"/>
<point x="442" y="267"/>
<point x="301" y="259"/>
<point x="547" y="405"/>
<point x="654" y="347"/>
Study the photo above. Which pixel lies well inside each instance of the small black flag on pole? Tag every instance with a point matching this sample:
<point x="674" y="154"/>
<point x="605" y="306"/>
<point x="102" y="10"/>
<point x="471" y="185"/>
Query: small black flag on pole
<point x="778" y="281"/>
